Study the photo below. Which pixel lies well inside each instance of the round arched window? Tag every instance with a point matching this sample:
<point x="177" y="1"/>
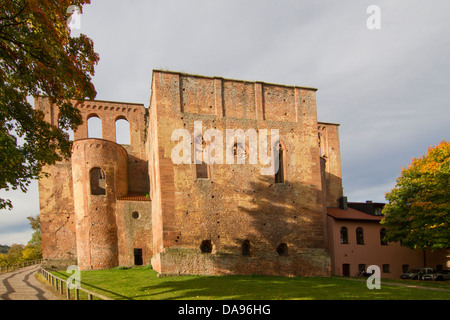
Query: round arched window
<point x="135" y="215"/>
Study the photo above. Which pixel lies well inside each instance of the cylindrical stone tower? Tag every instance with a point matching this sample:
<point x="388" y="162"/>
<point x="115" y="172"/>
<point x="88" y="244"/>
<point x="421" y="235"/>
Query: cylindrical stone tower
<point x="99" y="170"/>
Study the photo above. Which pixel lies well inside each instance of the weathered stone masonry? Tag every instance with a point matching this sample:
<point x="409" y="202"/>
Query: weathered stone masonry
<point x="207" y="219"/>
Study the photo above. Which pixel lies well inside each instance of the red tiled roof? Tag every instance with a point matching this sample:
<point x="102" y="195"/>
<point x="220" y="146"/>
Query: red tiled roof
<point x="351" y="214"/>
<point x="135" y="197"/>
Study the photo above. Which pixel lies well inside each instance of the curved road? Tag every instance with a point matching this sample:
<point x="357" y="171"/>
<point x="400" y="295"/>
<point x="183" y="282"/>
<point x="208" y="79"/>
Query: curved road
<point x="23" y="285"/>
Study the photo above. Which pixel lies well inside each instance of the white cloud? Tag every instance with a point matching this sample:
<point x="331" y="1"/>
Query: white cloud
<point x="14" y="225"/>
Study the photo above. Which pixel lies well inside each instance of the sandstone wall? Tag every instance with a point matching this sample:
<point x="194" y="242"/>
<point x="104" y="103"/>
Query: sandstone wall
<point x="100" y="229"/>
<point x="97" y="244"/>
<point x="330" y="153"/>
<point x="236" y="203"/>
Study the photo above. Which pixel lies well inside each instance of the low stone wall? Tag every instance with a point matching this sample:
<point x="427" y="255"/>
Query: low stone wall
<point x="178" y="261"/>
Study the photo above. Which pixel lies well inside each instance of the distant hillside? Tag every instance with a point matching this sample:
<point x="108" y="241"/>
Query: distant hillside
<point x="4" y="249"/>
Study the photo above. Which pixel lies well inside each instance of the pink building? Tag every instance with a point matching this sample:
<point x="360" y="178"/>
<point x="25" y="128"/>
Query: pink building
<point x="355" y="240"/>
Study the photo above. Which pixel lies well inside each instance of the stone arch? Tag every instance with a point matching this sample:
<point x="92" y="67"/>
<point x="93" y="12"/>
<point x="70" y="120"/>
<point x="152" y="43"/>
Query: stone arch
<point x="94" y="126"/>
<point x="122" y="129"/>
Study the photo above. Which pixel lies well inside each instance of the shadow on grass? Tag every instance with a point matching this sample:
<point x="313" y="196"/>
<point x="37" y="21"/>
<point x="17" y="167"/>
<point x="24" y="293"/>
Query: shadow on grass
<point x="249" y="288"/>
<point x="144" y="284"/>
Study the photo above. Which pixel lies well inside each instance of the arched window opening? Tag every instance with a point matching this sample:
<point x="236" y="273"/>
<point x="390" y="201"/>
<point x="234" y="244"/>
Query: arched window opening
<point x="279" y="175"/>
<point x="94" y="124"/>
<point x="206" y="246"/>
<point x="382" y="236"/>
<point x="70" y="133"/>
<point x="201" y="169"/>
<point x="246" y="248"/>
<point x="359" y="236"/>
<point x="97" y="182"/>
<point x="320" y="146"/>
<point x="122" y="131"/>
<point x="344" y="235"/>
<point x="282" y="249"/>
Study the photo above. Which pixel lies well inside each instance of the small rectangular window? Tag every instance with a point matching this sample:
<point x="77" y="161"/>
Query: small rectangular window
<point x="202" y="170"/>
<point x="362" y="267"/>
<point x="386" y="268"/>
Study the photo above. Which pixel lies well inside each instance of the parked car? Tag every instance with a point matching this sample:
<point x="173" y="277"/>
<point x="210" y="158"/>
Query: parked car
<point x="438" y="276"/>
<point x="417" y="273"/>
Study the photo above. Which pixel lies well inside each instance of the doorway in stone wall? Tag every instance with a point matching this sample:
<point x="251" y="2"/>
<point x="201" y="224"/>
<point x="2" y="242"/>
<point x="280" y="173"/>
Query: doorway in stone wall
<point x="138" y="261"/>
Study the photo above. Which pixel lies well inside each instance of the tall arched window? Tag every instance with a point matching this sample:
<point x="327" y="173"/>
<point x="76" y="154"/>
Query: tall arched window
<point x="279" y="175"/>
<point x="320" y="146"/>
<point x="359" y="236"/>
<point x="97" y="182"/>
<point x="122" y="131"/>
<point x="344" y="235"/>
<point x="201" y="169"/>
<point x="94" y="124"/>
<point x="382" y="235"/>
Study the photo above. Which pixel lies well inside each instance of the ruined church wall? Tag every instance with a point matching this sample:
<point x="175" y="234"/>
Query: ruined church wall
<point x="237" y="203"/>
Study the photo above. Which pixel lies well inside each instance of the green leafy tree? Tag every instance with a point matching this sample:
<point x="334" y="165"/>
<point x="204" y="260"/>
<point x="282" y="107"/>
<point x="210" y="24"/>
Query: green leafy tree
<point x="15" y="253"/>
<point x="418" y="212"/>
<point x="3" y="259"/>
<point x="33" y="250"/>
<point x="38" y="56"/>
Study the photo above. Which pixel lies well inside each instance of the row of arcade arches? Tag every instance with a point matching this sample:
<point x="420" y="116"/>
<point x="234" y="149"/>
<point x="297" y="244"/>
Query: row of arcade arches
<point x="122" y="126"/>
<point x="94" y="129"/>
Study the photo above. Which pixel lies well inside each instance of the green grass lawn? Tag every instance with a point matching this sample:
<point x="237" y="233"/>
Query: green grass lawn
<point x="143" y="284"/>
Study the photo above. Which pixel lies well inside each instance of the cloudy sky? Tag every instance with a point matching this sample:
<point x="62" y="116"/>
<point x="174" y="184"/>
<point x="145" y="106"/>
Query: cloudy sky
<point x="389" y="88"/>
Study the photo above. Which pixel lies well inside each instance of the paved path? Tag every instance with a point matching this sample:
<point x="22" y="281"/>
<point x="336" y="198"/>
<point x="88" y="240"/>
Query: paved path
<point x="23" y="285"/>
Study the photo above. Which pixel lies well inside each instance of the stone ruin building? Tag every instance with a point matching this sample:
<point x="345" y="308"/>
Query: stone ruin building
<point x="124" y="205"/>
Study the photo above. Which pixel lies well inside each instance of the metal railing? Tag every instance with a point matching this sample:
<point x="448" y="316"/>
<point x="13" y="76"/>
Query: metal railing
<point x="61" y="285"/>
<point x="16" y="266"/>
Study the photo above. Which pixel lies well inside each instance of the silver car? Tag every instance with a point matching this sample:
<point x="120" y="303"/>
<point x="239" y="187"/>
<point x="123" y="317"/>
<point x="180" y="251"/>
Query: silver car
<point x="417" y="273"/>
<point x="438" y="276"/>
